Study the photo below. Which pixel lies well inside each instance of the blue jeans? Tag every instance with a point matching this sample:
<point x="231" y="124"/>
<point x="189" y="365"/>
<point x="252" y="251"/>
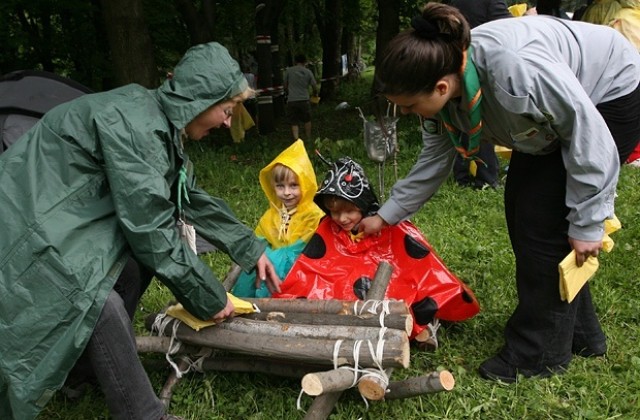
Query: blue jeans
<point x="114" y="359"/>
<point x="111" y="357"/>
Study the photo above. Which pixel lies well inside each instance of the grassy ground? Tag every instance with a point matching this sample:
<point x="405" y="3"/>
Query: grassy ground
<point x="467" y="229"/>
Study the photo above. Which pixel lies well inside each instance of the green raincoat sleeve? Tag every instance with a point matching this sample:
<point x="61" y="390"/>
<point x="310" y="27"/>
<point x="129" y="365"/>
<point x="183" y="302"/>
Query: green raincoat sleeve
<point x="141" y="172"/>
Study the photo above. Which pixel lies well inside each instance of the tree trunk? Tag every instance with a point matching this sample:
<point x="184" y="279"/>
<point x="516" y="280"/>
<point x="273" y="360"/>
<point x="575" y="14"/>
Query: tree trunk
<point x="130" y="43"/>
<point x="388" y="27"/>
<point x="199" y="22"/>
<point x="266" y="114"/>
<point x="329" y="22"/>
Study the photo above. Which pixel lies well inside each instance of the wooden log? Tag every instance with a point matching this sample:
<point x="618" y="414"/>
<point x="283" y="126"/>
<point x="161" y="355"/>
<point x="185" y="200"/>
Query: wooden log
<point x="402" y="322"/>
<point x="259" y="365"/>
<point x="160" y="345"/>
<point x="316" y="306"/>
<point x="323" y="404"/>
<point x="380" y="281"/>
<point x="424" y="341"/>
<point x="427" y="384"/>
<point x="373" y="385"/>
<point x="318" y="383"/>
<point x="330" y="332"/>
<point x="232" y="277"/>
<point x="167" y="390"/>
<point x="396" y="353"/>
<point x="243" y="364"/>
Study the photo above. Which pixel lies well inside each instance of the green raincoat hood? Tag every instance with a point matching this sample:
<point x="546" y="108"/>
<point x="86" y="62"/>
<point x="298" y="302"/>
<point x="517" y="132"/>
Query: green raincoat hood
<point x="205" y="76"/>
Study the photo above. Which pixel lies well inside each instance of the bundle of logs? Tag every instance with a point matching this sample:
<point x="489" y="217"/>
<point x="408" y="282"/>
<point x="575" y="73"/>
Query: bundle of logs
<point x="332" y="345"/>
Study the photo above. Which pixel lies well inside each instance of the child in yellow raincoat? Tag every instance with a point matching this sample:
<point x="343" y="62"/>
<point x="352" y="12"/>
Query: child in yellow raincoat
<point x="289" y="182"/>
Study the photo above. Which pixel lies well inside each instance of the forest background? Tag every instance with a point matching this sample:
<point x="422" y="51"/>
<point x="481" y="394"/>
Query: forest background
<point x="104" y="44"/>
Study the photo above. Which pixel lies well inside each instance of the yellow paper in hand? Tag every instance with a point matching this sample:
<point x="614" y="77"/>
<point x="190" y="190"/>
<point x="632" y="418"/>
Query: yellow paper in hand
<point x="572" y="277"/>
<point x="179" y="312"/>
<point x="610" y="226"/>
<point x="241" y="306"/>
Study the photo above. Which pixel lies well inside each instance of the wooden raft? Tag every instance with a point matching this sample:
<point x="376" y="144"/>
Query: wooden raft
<point x="318" y="341"/>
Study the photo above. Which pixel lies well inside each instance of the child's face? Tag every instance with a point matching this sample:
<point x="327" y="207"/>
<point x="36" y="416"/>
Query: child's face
<point x="288" y="192"/>
<point x="344" y="213"/>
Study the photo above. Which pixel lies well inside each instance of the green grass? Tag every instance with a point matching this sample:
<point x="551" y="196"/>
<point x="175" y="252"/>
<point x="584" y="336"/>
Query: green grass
<point x="467" y="230"/>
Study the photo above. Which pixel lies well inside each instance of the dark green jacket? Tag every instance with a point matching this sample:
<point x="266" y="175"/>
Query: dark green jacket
<point x="93" y="182"/>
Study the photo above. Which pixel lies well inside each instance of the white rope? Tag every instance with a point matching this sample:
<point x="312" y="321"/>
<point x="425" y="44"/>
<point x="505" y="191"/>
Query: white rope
<point x="160" y="324"/>
<point x="376" y="354"/>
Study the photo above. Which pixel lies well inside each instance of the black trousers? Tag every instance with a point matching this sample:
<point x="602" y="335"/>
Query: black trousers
<point x="544" y="331"/>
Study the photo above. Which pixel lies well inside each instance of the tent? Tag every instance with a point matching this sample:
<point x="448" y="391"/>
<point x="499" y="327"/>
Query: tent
<point x="26" y="95"/>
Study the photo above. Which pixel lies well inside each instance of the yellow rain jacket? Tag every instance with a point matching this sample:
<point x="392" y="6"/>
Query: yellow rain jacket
<point x="307" y="216"/>
<point x="285" y="243"/>
<point x="622" y="15"/>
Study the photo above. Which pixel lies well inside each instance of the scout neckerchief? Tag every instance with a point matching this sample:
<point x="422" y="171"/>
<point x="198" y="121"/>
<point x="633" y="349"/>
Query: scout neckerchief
<point x="285" y="219"/>
<point x="473" y="94"/>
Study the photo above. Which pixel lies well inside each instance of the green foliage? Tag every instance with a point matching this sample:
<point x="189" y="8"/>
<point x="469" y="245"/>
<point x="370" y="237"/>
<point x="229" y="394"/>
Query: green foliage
<point x="467" y="230"/>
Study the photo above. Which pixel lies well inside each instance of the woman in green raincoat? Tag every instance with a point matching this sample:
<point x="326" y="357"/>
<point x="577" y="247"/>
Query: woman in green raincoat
<point x="96" y="181"/>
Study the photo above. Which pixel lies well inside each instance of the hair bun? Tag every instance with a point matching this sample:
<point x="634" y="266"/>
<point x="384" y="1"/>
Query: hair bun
<point x="424" y="28"/>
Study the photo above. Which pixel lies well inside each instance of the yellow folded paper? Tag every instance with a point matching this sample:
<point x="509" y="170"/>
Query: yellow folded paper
<point x="610" y="226"/>
<point x="572" y="277"/>
<point x="178" y="312"/>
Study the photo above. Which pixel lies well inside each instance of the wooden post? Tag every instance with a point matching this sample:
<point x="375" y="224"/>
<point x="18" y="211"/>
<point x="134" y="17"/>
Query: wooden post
<point x="327" y="331"/>
<point x="323" y="404"/>
<point x="167" y="390"/>
<point x="372" y="386"/>
<point x="412" y="387"/>
<point x="403" y="322"/>
<point x="319" y="383"/>
<point x="315" y="306"/>
<point x="232" y="277"/>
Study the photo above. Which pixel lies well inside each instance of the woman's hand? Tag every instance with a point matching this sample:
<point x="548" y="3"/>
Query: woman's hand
<point x="225" y="313"/>
<point x="372" y="225"/>
<point x="267" y="273"/>
<point x="585" y="249"/>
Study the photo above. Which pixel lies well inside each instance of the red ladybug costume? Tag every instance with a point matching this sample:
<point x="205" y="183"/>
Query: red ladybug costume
<point x="337" y="265"/>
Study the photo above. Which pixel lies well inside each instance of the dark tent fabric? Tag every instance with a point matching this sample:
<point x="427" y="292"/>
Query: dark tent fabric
<point x="26" y="95"/>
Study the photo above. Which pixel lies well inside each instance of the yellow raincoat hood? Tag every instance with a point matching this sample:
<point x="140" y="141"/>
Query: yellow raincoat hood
<point x="308" y="214"/>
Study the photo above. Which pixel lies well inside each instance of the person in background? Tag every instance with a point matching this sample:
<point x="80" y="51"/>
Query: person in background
<point x="624" y="17"/>
<point x="486" y="174"/>
<point x="251" y="103"/>
<point x="297" y="81"/>
<point x="95" y="181"/>
<point x="289" y="183"/>
<point x="565" y="97"/>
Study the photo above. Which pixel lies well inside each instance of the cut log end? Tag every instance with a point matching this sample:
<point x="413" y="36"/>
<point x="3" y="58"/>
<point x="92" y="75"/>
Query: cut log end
<point x="312" y="385"/>
<point x="447" y="380"/>
<point x="372" y="388"/>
